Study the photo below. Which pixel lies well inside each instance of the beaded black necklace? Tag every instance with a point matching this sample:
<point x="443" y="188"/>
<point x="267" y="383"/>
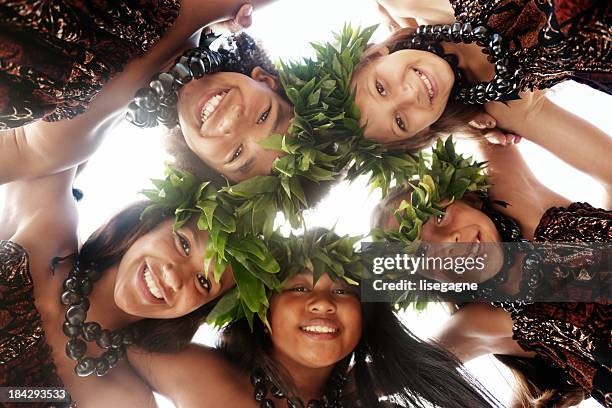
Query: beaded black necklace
<point x="532" y="273"/>
<point x="77" y="286"/>
<point x="504" y="86"/>
<point x="261" y="384"/>
<point x="156" y="104"/>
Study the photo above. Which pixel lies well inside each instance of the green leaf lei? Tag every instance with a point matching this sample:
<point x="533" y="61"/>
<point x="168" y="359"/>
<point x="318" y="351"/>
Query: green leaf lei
<point x="321" y="252"/>
<point x="441" y="179"/>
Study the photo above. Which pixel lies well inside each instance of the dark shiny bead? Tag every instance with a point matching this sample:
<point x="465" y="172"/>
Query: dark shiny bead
<point x="446" y="32"/>
<point x="91" y="331"/>
<point x="490" y="91"/>
<point x="75" y="315"/>
<point x="181" y="73"/>
<point x="196" y="65"/>
<point x="480" y="34"/>
<point x="502" y="85"/>
<point x="93" y="274"/>
<point x="136" y="115"/>
<point x="169" y="100"/>
<point x="259" y="393"/>
<point x="456" y="32"/>
<point x="497" y="50"/>
<point x="257" y="376"/>
<point x="420" y="30"/>
<point x="86" y="286"/>
<point x="314" y="404"/>
<point x="428" y="30"/>
<point x="496" y="39"/>
<point x="266" y="404"/>
<point x="70" y="330"/>
<point x="147" y="99"/>
<point x="70" y="297"/>
<point x="102" y="367"/>
<point x="128" y="338"/>
<point x="116" y="340"/>
<point x="111" y="357"/>
<point x="183" y="59"/>
<point x="167" y="81"/>
<point x="277" y="393"/>
<point x="84" y="303"/>
<point x="158" y="87"/>
<point x="291" y="403"/>
<point x="104" y="340"/>
<point x="416" y="42"/>
<point x="466" y="33"/>
<point x="502" y="68"/>
<point x="85" y="367"/>
<point x="70" y="284"/>
<point x="75" y="349"/>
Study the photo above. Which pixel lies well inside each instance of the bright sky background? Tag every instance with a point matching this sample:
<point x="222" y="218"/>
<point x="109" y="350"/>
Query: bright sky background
<point x="131" y="156"/>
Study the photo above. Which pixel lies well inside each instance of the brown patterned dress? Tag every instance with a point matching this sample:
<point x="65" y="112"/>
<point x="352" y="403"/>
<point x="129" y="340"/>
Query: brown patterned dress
<point x="25" y="357"/>
<point x="574" y="337"/>
<point x="56" y="55"/>
<point x="554" y="40"/>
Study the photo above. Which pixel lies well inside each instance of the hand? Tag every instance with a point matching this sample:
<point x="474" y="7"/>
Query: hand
<point x="394" y="23"/>
<point x="495" y="135"/>
<point x="243" y="19"/>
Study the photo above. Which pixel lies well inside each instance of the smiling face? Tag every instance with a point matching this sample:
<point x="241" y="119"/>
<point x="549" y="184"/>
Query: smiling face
<point x="314" y="327"/>
<point x="464" y="231"/>
<point x="401" y="94"/>
<point x="223" y="117"/>
<point x="162" y="274"/>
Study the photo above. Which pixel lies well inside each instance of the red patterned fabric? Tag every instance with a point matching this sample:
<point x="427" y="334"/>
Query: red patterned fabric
<point x="55" y="56"/>
<point x="25" y="357"/>
<point x="554" y="40"/>
<point x="575" y="337"/>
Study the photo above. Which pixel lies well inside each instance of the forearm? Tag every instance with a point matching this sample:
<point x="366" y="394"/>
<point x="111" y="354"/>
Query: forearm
<point x="572" y="139"/>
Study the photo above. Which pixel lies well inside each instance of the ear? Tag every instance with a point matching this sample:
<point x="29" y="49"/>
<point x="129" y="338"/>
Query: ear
<point x="261" y="75"/>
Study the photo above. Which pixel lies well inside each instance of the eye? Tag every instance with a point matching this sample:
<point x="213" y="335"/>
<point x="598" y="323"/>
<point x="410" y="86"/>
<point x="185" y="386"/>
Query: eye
<point x="400" y="122"/>
<point x="204" y="282"/>
<point x="440" y="218"/>
<point x="380" y="88"/>
<point x="264" y="116"/>
<point x="237" y="153"/>
<point x="184" y="243"/>
<point x="299" y="289"/>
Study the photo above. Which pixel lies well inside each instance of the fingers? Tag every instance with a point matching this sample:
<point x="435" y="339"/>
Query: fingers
<point x="244" y="17"/>
<point x="483" y="121"/>
<point x="498" y="137"/>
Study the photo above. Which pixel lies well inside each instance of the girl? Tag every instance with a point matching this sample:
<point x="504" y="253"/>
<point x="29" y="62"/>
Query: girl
<point x="323" y="348"/>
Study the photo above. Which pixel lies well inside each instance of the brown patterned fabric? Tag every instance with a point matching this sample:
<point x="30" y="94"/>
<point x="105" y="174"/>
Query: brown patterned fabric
<point x="55" y="56"/>
<point x="574" y="337"/>
<point x="25" y="357"/>
<point x="554" y="40"/>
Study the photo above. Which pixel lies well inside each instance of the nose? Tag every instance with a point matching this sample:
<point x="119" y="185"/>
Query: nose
<point x="407" y="95"/>
<point x="171" y="276"/>
<point x="230" y="122"/>
<point x="321" y="303"/>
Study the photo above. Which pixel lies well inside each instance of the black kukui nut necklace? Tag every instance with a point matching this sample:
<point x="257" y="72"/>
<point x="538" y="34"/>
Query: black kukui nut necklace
<point x="504" y="86"/>
<point x="76" y="287"/>
<point x="261" y="383"/>
<point x="156" y="103"/>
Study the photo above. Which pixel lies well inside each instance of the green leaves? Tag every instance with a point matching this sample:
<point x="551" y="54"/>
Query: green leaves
<point x="441" y="179"/>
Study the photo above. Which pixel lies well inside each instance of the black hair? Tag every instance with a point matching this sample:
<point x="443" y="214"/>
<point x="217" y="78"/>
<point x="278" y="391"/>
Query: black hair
<point x="108" y="244"/>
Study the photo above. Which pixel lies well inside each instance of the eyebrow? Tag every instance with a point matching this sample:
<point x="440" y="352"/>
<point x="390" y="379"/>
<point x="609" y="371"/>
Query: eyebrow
<point x="191" y="226"/>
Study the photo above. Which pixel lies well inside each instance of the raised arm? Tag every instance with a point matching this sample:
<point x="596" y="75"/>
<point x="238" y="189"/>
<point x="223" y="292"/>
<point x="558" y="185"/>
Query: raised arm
<point x="478" y="329"/>
<point x="569" y="137"/>
<point x="197" y="377"/>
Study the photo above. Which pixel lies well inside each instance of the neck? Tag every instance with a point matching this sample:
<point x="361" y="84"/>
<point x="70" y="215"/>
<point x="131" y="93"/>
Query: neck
<point x="310" y="383"/>
<point x="103" y="308"/>
<point x="472" y="61"/>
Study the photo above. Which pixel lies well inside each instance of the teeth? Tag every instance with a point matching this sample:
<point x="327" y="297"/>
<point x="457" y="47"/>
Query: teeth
<point x="151" y="284"/>
<point x="319" y="329"/>
<point x="211" y="105"/>
<point x="426" y="82"/>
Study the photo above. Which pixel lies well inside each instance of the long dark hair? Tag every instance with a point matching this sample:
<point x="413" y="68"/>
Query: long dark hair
<point x="389" y="361"/>
<point x="107" y="245"/>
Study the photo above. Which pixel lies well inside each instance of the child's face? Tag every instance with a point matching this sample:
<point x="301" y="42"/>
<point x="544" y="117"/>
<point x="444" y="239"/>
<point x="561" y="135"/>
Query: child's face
<point x="402" y="93"/>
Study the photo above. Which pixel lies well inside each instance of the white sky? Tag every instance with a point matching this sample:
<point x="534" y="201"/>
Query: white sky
<point x="131" y="156"/>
